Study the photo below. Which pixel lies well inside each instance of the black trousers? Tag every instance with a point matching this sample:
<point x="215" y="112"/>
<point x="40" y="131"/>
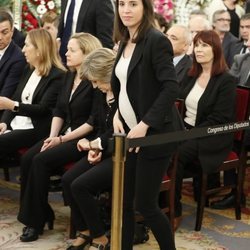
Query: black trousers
<point x="16" y="139"/>
<point x="142" y="184"/>
<point x="36" y="168"/>
<point x="80" y="185"/>
<point x="188" y="153"/>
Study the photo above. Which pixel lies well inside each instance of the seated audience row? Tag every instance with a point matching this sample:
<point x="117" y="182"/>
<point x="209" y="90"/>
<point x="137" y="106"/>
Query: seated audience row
<point x="71" y="121"/>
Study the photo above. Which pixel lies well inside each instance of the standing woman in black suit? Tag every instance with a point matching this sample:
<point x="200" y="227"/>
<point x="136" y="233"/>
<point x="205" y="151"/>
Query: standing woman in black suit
<point x="71" y="121"/>
<point x="145" y="87"/>
<point x="28" y="113"/>
<point x="210" y="94"/>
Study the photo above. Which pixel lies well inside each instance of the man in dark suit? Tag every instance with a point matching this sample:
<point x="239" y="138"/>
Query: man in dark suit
<point x="180" y="38"/>
<point x="92" y="16"/>
<point x="241" y="66"/>
<point x="244" y="31"/>
<point x="231" y="45"/>
<point x="12" y="61"/>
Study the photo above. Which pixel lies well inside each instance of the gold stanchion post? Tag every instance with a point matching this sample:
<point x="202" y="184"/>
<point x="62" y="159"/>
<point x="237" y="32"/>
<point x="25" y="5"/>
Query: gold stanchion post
<point x="119" y="155"/>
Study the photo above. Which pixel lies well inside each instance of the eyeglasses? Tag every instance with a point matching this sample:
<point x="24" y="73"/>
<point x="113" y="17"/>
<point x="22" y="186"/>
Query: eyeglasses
<point x="224" y="20"/>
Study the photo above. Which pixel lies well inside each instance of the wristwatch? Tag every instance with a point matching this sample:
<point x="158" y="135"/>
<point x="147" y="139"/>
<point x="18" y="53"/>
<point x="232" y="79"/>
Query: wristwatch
<point x="16" y="107"/>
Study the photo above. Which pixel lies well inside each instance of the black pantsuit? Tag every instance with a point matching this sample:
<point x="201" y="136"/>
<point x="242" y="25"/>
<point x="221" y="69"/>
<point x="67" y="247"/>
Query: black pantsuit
<point x="84" y="180"/>
<point x="37" y="167"/>
<point x="80" y="185"/>
<point x="216" y="106"/>
<point x="35" y="171"/>
<point x="152" y="89"/>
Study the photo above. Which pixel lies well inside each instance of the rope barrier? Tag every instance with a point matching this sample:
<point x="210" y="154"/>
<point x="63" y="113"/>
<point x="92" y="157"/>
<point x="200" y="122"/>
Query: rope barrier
<point x="119" y="144"/>
<point x="188" y="134"/>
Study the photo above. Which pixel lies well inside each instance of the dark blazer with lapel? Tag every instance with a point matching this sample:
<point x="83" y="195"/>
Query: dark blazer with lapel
<point x="74" y="111"/>
<point x="231" y="46"/>
<point x="11" y="68"/>
<point x="103" y="114"/>
<point x="241" y="68"/>
<point x="95" y="17"/>
<point x="151" y="85"/>
<point x="182" y="67"/>
<point x="43" y="101"/>
<point x="216" y="106"/>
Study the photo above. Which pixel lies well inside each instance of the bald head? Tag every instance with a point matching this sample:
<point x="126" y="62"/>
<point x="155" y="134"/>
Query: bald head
<point x="197" y="24"/>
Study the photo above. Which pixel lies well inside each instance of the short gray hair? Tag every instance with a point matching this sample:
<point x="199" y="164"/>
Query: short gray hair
<point x="98" y="65"/>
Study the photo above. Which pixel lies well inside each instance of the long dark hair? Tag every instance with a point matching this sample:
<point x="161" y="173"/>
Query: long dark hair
<point x="120" y="30"/>
<point x="219" y="64"/>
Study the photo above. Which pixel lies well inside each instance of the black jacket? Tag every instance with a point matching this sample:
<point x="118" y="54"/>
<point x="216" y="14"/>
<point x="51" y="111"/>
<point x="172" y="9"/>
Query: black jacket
<point x="43" y="101"/>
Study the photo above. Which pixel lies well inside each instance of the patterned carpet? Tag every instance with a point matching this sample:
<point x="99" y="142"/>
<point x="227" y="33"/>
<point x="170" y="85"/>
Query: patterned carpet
<point x="220" y="230"/>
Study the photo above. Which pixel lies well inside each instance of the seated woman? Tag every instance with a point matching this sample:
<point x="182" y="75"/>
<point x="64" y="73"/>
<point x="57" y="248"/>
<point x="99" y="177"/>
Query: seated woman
<point x="70" y="122"/>
<point x="28" y="113"/>
<point x="210" y="96"/>
<point x="93" y="173"/>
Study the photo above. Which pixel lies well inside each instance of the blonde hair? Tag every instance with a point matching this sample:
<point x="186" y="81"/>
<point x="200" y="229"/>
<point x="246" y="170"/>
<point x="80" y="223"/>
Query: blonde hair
<point x="87" y="42"/>
<point x="98" y="65"/>
<point x="47" y="50"/>
<point x="50" y="17"/>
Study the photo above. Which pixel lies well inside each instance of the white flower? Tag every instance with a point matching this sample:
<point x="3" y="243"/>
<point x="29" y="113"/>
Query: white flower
<point x="51" y="5"/>
<point x="41" y="9"/>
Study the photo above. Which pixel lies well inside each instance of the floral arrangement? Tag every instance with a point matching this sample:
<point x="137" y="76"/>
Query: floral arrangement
<point x="184" y="7"/>
<point x="32" y="11"/>
<point x="165" y="8"/>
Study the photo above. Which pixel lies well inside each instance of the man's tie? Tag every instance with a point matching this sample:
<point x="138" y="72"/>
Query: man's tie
<point x="67" y="31"/>
<point x="244" y="49"/>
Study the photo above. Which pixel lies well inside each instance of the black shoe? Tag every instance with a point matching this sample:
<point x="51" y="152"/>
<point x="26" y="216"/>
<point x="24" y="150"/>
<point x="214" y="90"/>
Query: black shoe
<point x="227" y="202"/>
<point x="30" y="234"/>
<point x="83" y="245"/>
<point x="100" y="246"/>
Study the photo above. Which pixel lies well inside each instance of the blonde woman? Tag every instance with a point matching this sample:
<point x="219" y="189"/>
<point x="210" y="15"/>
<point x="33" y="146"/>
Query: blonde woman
<point x="93" y="173"/>
<point x="71" y="121"/>
<point x="28" y="113"/>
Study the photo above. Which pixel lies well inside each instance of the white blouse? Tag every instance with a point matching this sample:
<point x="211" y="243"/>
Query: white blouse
<point x="25" y="122"/>
<point x="125" y="107"/>
<point x="191" y="103"/>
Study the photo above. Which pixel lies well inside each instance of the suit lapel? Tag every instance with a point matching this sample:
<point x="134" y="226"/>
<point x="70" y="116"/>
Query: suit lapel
<point x="43" y="81"/>
<point x="245" y="69"/>
<point x="181" y="65"/>
<point x="6" y="55"/>
<point x="137" y="54"/>
<point x="79" y="89"/>
<point x="82" y="13"/>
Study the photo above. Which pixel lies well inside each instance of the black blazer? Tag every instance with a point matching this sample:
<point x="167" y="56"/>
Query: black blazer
<point x="11" y="68"/>
<point x="95" y="17"/>
<point x="216" y="106"/>
<point x="182" y="68"/>
<point x="151" y="85"/>
<point x="44" y="100"/>
<point x="103" y="117"/>
<point x="74" y="111"/>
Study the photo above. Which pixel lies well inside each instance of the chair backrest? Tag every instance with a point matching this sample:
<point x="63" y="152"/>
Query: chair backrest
<point x="242" y="108"/>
